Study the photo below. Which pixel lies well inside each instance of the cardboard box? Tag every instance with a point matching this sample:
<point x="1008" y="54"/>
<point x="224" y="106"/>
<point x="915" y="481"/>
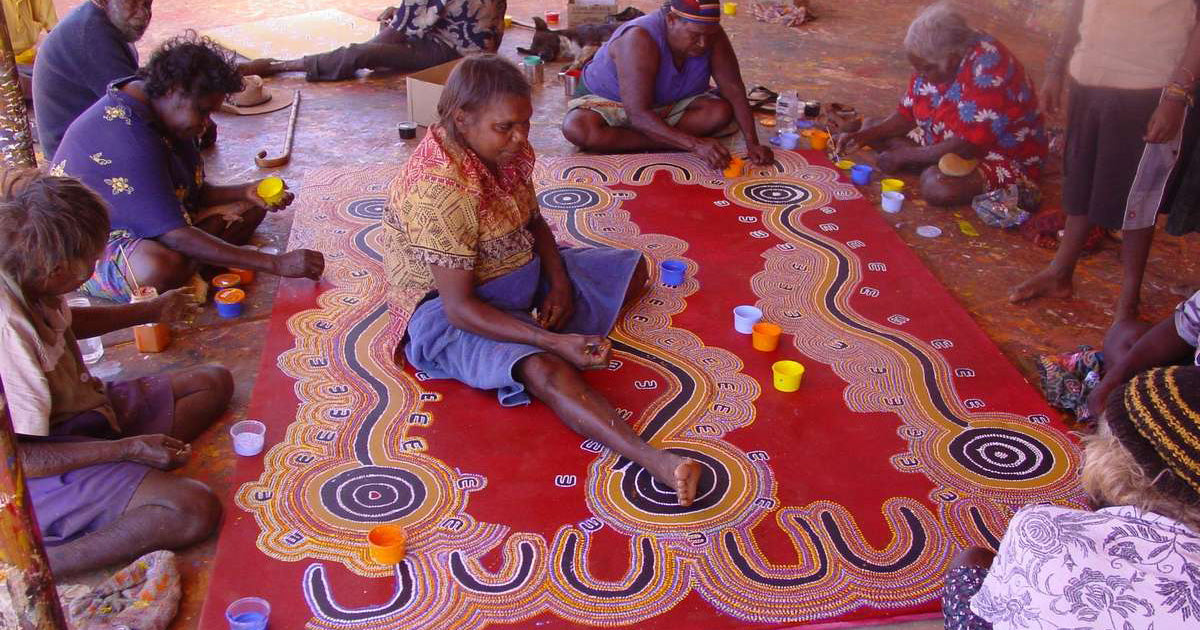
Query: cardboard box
<point x="589" y="11"/>
<point x="424" y="90"/>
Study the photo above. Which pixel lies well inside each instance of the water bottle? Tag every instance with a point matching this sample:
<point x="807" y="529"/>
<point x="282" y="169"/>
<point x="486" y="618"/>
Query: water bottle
<point x="785" y="112"/>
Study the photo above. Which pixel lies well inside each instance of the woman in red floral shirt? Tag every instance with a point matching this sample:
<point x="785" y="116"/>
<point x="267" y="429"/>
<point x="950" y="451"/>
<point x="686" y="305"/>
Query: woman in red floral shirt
<point x="969" y="96"/>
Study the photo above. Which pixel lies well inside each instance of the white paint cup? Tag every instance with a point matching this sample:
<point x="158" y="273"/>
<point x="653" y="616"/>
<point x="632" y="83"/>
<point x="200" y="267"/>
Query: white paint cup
<point x="248" y="437"/>
<point x="745" y="317"/>
<point x="892" y="201"/>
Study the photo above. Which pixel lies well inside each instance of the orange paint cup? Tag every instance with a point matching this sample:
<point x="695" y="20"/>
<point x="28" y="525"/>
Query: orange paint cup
<point x="735" y="168"/>
<point x="227" y="280"/>
<point x="765" y="336"/>
<point x="247" y="275"/>
<point x="818" y="140"/>
<point x="387" y="544"/>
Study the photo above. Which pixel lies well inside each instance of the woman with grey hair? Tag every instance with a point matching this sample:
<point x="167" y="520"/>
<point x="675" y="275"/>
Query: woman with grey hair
<point x="970" y="97"/>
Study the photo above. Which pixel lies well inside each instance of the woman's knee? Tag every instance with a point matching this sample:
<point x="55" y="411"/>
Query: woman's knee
<point x="539" y="372"/>
<point x="576" y="128"/>
<point x="191" y="509"/>
<point x="977" y="557"/>
<point x="158" y="266"/>
<point x="212" y="381"/>
<point x="715" y="113"/>
<point x="940" y="190"/>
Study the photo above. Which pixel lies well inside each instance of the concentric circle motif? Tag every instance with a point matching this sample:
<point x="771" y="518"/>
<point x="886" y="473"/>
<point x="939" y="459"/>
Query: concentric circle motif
<point x="370" y="208"/>
<point x="568" y="198"/>
<point x="1001" y="454"/>
<point x="373" y="494"/>
<point x="776" y="193"/>
<point x="648" y="494"/>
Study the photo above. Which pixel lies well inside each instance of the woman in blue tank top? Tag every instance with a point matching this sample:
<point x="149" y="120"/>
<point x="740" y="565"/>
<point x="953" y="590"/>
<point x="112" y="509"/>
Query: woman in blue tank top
<point x="648" y="88"/>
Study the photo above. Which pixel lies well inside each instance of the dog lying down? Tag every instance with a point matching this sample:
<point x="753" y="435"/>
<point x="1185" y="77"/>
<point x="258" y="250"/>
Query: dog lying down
<point x="579" y="43"/>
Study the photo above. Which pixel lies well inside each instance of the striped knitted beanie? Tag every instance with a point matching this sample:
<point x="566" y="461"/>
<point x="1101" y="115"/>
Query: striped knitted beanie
<point x="1160" y="427"/>
<point x="703" y="11"/>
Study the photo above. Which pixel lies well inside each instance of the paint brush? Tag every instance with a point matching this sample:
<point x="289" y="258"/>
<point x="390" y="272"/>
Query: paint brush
<point x="128" y="269"/>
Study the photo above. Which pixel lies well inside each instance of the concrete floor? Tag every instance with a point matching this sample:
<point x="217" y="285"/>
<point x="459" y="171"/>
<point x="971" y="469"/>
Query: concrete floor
<point x="850" y="54"/>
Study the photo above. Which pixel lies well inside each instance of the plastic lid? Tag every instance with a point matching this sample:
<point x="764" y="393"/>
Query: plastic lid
<point x="533" y="60"/>
<point x="229" y="296"/>
<point x="929" y="231"/>
<point x="226" y="280"/>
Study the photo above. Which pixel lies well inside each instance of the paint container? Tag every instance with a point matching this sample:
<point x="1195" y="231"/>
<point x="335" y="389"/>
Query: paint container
<point x="765" y="336"/>
<point x="891" y="184"/>
<point x="812" y="109"/>
<point x="729" y="8"/>
<point x="861" y="174"/>
<point x="805" y="124"/>
<point x="818" y="140"/>
<point x="271" y="190"/>
<point x="230" y="302"/>
<point x="226" y="281"/>
<point x="507" y="21"/>
<point x="248" y="437"/>
<point x="534" y="70"/>
<point x="736" y="167"/>
<point x="150" y="337"/>
<point x="929" y="231"/>
<point x="248" y="613"/>
<point x="845" y="165"/>
<point x="247" y="275"/>
<point x="892" y="201"/>
<point x="570" y="81"/>
<point x="672" y="272"/>
<point x="552" y="18"/>
<point x="387" y="544"/>
<point x="787" y="375"/>
<point x="745" y="317"/>
<point x="92" y="348"/>
<point x="789" y="140"/>
<point x="407" y="130"/>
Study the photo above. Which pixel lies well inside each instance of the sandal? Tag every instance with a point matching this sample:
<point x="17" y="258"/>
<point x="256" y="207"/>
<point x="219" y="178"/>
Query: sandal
<point x="762" y="99"/>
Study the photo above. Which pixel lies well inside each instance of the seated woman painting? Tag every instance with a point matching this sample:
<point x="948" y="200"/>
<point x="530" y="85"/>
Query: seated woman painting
<point x="478" y="289"/>
<point x="95" y="454"/>
<point x="136" y="148"/>
<point x="969" y="96"/>
<point x="1135" y="561"/>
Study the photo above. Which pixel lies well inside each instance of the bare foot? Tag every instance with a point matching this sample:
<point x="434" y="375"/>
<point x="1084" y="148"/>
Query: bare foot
<point x="687" y="477"/>
<point x="1045" y="283"/>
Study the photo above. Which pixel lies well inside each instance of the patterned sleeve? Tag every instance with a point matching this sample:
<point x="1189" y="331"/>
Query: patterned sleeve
<point x="442" y="224"/>
<point x="1187" y="319"/>
<point x="905" y="108"/>
<point x="982" y="93"/>
<point x="416" y="17"/>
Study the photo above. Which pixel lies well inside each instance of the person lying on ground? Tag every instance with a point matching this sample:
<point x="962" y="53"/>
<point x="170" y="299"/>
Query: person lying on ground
<point x="416" y="35"/>
<point x="969" y="96"/>
<point x="648" y="89"/>
<point x="134" y="148"/>
<point x="1130" y="101"/>
<point x="469" y="257"/>
<point x="95" y="455"/>
<point x="1132" y="563"/>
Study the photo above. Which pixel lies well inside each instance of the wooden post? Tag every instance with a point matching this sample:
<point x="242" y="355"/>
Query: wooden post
<point x="23" y="565"/>
<point x="16" y="138"/>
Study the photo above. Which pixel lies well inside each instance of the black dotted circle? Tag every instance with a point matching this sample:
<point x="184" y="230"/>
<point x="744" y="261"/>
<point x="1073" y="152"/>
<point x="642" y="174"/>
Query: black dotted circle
<point x="1001" y="454"/>
<point x="649" y="495"/>
<point x="568" y="198"/>
<point x="373" y="494"/>
<point x="777" y="193"/>
<point x="370" y="208"/>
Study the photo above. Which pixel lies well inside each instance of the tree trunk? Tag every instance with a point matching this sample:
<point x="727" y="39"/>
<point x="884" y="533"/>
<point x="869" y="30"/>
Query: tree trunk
<point x="16" y="138"/>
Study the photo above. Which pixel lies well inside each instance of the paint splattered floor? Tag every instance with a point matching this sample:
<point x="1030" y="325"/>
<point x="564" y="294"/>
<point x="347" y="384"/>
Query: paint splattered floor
<point x="851" y="54"/>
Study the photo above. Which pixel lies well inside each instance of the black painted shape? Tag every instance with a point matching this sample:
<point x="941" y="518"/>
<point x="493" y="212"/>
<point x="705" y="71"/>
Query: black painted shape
<point x="688" y="388"/>
<point x="646" y="559"/>
<point x="687" y="175"/>
<point x="908" y="559"/>
<point x="323" y="605"/>
<point x="747" y="571"/>
<point x="362" y="442"/>
<point x="977" y="518"/>
<point x="464" y="577"/>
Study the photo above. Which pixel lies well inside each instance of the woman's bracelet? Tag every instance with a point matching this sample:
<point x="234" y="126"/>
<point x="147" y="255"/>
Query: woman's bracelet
<point x="1179" y="92"/>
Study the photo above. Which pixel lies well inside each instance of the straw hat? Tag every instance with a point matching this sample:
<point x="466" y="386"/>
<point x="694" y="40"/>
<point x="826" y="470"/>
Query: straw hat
<point x="255" y="99"/>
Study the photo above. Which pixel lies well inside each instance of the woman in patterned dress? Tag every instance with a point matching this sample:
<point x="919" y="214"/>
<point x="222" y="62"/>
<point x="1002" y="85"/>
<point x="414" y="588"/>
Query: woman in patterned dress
<point x="479" y="291"/>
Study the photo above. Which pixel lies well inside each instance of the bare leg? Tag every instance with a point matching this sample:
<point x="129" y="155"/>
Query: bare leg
<point x="558" y="384"/>
<point x="201" y="396"/>
<point x="237" y="232"/>
<point x="1135" y="249"/>
<point x="1056" y="279"/>
<point x="165" y="512"/>
<point x="1121" y="337"/>
<point x="941" y="190"/>
<point x="973" y="557"/>
<point x="588" y="130"/>
<point x="268" y="67"/>
<point x="155" y="265"/>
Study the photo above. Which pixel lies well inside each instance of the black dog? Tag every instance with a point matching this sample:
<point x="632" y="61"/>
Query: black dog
<point x="579" y="43"/>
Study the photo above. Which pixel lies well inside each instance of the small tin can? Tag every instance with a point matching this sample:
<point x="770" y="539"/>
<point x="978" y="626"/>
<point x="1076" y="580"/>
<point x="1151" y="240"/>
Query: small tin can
<point x="812" y="109"/>
<point x="230" y="302"/>
<point x="407" y="129"/>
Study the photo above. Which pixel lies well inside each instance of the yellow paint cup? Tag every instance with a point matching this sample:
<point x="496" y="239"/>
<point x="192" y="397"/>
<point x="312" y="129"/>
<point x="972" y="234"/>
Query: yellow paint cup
<point x="729" y="8"/>
<point x="271" y="190"/>
<point x="891" y="185"/>
<point x="845" y="165"/>
<point x="386" y="544"/>
<point x="787" y="375"/>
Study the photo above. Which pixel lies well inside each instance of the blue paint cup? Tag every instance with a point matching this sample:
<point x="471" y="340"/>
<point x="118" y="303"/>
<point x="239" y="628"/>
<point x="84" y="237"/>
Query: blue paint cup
<point x="248" y="613"/>
<point x="671" y="272"/>
<point x="789" y="140"/>
<point x="230" y="302"/>
<point x="861" y="174"/>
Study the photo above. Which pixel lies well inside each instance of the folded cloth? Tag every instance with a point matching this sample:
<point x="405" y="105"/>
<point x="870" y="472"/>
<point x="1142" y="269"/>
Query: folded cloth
<point x="144" y="595"/>
<point x="1068" y="379"/>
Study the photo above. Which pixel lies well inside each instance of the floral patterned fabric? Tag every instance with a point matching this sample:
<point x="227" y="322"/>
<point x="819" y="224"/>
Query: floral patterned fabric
<point x="990" y="103"/>
<point x="1187" y="323"/>
<point x="447" y="209"/>
<point x="1118" y="568"/>
<point x="468" y="26"/>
